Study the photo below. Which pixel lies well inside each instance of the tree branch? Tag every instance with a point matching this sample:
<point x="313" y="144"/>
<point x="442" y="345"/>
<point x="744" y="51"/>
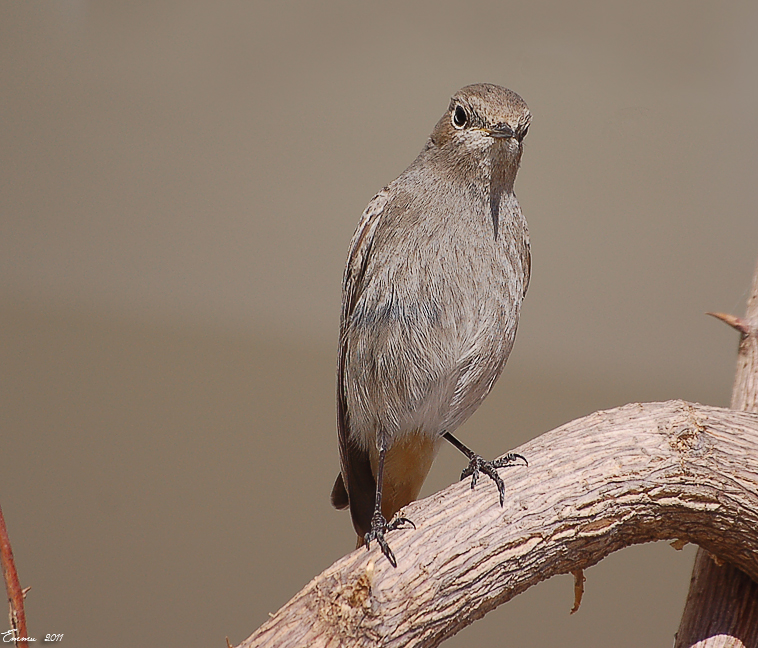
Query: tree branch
<point x="16" y="614"/>
<point x="638" y="473"/>
<point x="722" y="603"/>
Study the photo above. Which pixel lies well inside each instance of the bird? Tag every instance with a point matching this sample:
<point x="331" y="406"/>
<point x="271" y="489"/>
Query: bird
<point x="436" y="273"/>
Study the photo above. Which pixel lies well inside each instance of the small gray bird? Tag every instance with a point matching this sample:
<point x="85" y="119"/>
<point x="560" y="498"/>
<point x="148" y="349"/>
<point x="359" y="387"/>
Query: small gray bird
<point x="431" y="295"/>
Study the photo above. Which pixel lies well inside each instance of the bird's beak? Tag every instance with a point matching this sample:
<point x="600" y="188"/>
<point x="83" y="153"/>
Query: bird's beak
<point x="501" y="131"/>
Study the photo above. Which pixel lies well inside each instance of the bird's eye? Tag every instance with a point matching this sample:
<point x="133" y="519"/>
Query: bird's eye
<point x="523" y="133"/>
<point x="460" y="118"/>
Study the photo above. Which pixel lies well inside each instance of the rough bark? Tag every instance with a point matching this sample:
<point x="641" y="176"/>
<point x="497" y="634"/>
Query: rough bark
<point x="638" y="473"/>
<point x="722" y="604"/>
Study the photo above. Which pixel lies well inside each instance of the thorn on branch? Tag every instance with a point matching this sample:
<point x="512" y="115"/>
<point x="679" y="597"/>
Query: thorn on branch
<point x="578" y="588"/>
<point x="736" y="323"/>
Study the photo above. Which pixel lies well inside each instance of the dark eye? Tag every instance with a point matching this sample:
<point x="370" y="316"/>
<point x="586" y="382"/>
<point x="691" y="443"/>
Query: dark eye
<point x="523" y="133"/>
<point x="460" y="118"/>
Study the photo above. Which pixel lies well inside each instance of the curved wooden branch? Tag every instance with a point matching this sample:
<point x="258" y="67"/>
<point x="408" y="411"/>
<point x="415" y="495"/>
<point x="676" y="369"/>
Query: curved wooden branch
<point x="641" y="472"/>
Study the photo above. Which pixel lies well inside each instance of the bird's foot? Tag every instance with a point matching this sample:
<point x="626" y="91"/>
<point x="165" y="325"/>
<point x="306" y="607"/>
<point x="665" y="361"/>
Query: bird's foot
<point x="380" y="526"/>
<point x="479" y="465"/>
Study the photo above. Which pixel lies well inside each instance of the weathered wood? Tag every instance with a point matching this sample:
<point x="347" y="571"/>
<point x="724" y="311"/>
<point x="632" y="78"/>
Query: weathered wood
<point x="722" y="604"/>
<point x="638" y="473"/>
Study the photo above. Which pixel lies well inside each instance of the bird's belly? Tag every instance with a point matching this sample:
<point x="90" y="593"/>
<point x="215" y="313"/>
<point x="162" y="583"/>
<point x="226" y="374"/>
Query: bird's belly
<point x="423" y="375"/>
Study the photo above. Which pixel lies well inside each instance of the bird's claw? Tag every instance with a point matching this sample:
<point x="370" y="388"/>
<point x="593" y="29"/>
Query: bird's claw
<point x="380" y="526"/>
<point x="480" y="465"/>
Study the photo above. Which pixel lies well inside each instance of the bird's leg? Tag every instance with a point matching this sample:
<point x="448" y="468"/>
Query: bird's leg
<point x="477" y="464"/>
<point x="379" y="525"/>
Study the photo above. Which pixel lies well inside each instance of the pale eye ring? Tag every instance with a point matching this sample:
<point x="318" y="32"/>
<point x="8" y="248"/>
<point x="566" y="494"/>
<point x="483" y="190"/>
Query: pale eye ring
<point x="460" y="118"/>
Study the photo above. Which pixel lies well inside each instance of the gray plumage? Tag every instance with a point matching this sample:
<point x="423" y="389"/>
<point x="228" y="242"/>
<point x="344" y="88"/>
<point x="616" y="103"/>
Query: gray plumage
<point x="436" y="273"/>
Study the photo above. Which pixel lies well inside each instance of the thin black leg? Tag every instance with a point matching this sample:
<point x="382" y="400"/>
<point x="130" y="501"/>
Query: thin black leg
<point x="379" y="525"/>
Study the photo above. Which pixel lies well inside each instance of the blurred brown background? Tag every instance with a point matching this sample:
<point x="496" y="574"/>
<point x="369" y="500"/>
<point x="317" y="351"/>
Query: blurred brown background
<point x="179" y="184"/>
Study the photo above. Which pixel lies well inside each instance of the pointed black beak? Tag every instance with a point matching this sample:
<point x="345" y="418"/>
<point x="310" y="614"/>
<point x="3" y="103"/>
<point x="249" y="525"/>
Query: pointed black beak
<point x="500" y="131"/>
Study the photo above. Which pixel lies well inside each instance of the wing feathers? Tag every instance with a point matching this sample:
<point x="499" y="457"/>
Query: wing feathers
<point x="355" y="486"/>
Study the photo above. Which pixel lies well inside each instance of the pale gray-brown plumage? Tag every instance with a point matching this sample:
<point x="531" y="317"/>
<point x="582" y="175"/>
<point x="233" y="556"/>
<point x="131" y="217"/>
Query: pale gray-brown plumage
<point x="432" y="291"/>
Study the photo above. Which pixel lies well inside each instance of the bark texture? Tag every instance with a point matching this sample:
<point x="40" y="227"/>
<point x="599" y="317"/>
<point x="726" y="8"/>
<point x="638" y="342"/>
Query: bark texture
<point x="638" y="473"/>
<point x="722" y="604"/>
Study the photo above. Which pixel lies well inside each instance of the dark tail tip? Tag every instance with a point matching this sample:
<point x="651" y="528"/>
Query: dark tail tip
<point x="339" y="494"/>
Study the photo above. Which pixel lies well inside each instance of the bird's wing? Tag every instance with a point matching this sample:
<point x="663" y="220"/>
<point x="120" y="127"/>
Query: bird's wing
<point x="355" y="485"/>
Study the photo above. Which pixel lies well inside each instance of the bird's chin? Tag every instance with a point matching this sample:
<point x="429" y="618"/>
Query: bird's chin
<point x="507" y="151"/>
